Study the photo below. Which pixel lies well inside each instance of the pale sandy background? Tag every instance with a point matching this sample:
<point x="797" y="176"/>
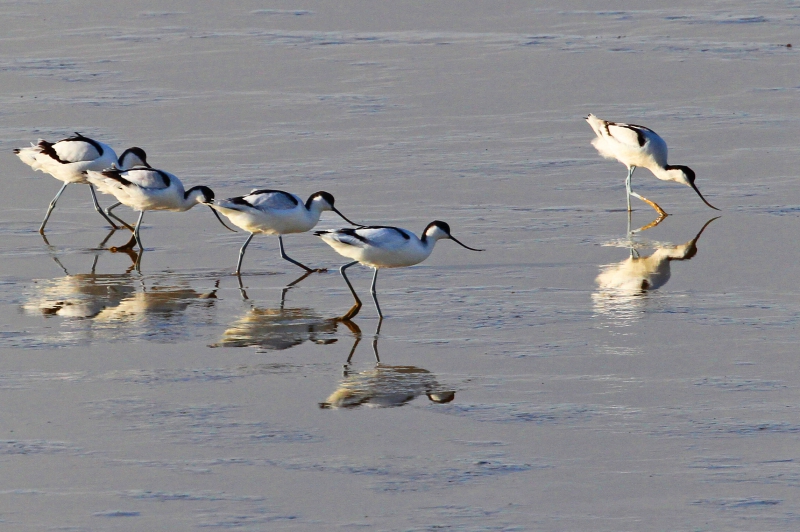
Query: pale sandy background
<point x="163" y="400"/>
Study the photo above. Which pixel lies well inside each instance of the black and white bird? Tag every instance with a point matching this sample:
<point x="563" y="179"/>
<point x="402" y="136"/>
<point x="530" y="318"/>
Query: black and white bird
<point x="384" y="247"/>
<point x="68" y="160"/>
<point x="634" y="146"/>
<point x="149" y="189"/>
<point x="275" y="212"/>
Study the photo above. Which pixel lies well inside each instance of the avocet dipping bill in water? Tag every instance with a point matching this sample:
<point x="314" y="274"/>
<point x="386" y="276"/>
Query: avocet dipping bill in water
<point x="68" y="159"/>
<point x="384" y="247"/>
<point x="634" y="146"/>
<point x="274" y="212"/>
<point x="149" y="189"/>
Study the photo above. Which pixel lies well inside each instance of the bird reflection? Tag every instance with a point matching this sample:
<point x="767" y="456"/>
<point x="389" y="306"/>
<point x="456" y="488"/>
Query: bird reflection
<point x="114" y="305"/>
<point x="383" y="386"/>
<point x="623" y="286"/>
<point x="276" y="329"/>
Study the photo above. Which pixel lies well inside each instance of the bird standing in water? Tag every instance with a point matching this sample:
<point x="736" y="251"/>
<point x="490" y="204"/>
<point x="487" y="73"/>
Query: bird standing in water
<point x="384" y="247"/>
<point x="68" y="160"/>
<point x="634" y="146"/>
<point x="275" y="212"/>
<point x="149" y="189"/>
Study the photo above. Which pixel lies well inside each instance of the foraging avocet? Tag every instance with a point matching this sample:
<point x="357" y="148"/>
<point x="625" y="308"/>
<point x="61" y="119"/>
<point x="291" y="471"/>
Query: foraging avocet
<point x="149" y="189"/>
<point x="274" y="212"/>
<point x="68" y="159"/>
<point x="384" y="247"/>
<point x="634" y="146"/>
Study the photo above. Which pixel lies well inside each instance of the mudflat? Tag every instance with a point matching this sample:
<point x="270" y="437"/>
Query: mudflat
<point x="574" y="376"/>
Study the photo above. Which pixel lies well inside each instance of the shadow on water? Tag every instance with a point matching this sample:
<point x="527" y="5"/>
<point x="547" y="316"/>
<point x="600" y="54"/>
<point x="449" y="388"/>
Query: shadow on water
<point x="383" y="385"/>
<point x="278" y="328"/>
<point x="623" y="287"/>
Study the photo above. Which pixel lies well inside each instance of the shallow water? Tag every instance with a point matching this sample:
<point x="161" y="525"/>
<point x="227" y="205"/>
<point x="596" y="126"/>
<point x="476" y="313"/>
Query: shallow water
<point x="171" y="397"/>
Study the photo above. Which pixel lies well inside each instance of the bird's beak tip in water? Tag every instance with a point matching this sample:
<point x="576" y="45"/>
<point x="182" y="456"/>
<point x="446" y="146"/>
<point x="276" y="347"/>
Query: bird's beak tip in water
<point x="701" y="196"/>
<point x="220" y="219"/>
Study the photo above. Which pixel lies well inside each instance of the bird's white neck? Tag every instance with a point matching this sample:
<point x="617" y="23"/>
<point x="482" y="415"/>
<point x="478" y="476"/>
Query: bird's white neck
<point x="670" y="174"/>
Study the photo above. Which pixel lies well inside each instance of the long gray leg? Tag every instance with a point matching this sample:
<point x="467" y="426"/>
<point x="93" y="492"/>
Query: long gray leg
<point x="285" y="256"/>
<point x="357" y="306"/>
<point x="99" y="209"/>
<point x="241" y="254"/>
<point x="374" y="295"/>
<point x="134" y="239"/>
<point x="51" y="207"/>
<point x="117" y="218"/>
<point x="628" y="186"/>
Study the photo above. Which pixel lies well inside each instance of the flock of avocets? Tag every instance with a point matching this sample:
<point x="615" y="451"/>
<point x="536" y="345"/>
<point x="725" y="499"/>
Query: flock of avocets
<point x="136" y="184"/>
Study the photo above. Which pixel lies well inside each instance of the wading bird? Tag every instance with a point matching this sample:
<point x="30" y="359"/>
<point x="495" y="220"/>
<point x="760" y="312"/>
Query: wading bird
<point x="68" y="160"/>
<point x="149" y="189"/>
<point x="384" y="247"/>
<point x="634" y="146"/>
<point x="274" y="212"/>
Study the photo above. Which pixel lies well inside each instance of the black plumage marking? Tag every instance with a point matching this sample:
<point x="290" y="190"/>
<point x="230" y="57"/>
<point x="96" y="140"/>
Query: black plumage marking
<point x="352" y="232"/>
<point x="267" y="191"/>
<point x="165" y="177"/>
<point x="79" y="137"/>
<point x="116" y="175"/>
<point x="325" y="196"/>
<point x="634" y="127"/>
<point x="240" y="201"/>
<point x="47" y="149"/>
<point x="401" y="231"/>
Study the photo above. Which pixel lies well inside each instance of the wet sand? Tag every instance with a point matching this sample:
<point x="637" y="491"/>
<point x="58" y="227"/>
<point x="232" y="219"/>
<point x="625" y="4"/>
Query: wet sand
<point x="169" y="398"/>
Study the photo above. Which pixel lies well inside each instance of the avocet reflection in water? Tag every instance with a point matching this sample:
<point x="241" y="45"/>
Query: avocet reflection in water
<point x="278" y="328"/>
<point x="105" y="306"/>
<point x="623" y="287"/>
<point x="383" y="385"/>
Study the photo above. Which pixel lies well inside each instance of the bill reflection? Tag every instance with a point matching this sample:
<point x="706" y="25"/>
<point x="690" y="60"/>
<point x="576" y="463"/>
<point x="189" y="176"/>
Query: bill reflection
<point x="622" y="287"/>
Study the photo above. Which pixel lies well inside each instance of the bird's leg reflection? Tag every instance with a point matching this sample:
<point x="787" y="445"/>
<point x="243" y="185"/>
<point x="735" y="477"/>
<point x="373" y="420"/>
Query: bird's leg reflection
<point x="356" y="330"/>
<point x="645" y="227"/>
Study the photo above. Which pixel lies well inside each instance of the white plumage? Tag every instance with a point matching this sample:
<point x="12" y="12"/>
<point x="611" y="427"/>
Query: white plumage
<point x="384" y="247"/>
<point x="149" y="189"/>
<point x="68" y="160"/>
<point x="634" y="146"/>
<point x="275" y="212"/>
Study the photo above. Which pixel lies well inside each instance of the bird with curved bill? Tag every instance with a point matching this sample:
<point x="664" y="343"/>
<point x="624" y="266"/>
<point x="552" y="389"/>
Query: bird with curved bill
<point x="275" y="212"/>
<point x="149" y="189"/>
<point x="68" y="160"/>
<point x="634" y="146"/>
<point x="384" y="247"/>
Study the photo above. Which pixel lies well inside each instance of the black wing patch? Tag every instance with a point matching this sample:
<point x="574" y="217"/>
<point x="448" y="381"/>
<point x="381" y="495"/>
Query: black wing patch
<point x="93" y="142"/>
<point x="633" y="127"/>
<point x="116" y="175"/>
<point x="47" y="149"/>
<point x="281" y="192"/>
<point x="352" y="232"/>
<point x="400" y="231"/>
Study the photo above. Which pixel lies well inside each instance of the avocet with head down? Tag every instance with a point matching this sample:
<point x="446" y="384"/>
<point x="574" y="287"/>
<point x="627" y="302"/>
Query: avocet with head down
<point x="634" y="146"/>
<point x="384" y="247"/>
<point x="149" y="189"/>
<point x="274" y="212"/>
<point x="68" y="160"/>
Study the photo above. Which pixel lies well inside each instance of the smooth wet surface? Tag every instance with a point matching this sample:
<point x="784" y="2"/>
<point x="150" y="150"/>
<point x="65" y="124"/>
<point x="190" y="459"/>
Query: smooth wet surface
<point x="571" y="377"/>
